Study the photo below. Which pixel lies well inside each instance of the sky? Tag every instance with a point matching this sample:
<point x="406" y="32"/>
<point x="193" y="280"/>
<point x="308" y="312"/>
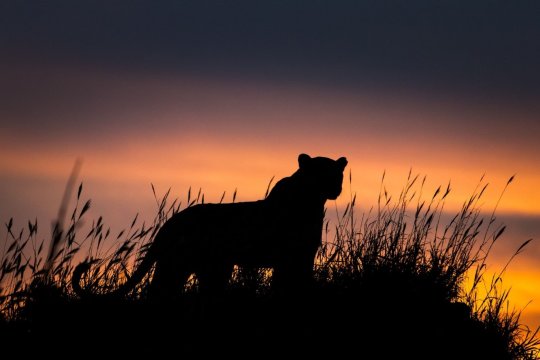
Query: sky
<point x="223" y="96"/>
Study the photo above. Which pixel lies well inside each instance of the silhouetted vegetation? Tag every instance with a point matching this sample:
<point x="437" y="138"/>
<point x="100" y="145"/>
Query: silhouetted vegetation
<point x="387" y="283"/>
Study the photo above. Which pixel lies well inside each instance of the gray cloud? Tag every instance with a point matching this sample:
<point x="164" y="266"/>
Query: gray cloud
<point x="479" y="45"/>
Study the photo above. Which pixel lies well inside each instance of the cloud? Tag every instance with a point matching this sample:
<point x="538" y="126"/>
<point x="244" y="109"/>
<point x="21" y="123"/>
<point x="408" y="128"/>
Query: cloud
<point x="487" y="45"/>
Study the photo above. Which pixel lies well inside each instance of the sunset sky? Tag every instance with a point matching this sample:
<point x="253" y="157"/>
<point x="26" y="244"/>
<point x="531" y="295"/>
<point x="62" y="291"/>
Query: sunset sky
<point x="225" y="95"/>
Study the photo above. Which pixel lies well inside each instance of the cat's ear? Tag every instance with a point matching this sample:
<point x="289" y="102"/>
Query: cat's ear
<point x="303" y="160"/>
<point x="342" y="162"/>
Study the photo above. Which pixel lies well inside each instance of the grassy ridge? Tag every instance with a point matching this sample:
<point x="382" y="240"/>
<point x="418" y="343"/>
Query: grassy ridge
<point x="389" y="282"/>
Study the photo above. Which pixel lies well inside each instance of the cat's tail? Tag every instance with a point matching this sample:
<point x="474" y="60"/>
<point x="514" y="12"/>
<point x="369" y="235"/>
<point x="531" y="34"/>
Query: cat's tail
<point x="132" y="281"/>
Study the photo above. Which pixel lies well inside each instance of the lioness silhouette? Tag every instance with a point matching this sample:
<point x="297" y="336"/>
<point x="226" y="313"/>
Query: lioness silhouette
<point x="282" y="232"/>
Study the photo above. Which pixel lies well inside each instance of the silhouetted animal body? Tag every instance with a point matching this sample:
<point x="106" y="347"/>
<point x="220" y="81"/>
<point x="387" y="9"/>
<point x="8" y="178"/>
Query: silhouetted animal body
<point x="282" y="231"/>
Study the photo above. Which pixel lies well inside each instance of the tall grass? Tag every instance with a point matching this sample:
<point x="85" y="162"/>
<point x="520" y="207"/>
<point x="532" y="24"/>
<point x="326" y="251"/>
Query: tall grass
<point x="400" y="244"/>
<point x="407" y="239"/>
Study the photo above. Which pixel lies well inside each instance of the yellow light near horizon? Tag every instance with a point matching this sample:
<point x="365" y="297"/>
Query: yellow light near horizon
<point x="521" y="280"/>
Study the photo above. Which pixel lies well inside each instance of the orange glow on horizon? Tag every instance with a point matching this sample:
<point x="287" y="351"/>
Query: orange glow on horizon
<point x="249" y="168"/>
